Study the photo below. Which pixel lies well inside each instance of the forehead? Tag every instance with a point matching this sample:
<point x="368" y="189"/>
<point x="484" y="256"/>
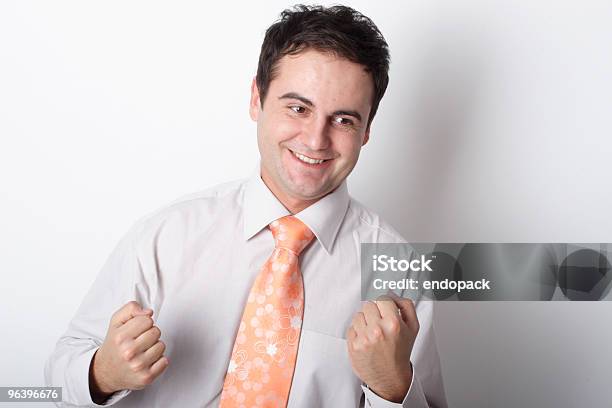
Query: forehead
<point x="323" y="78"/>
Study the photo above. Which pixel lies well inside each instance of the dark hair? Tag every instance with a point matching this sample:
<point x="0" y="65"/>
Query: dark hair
<point x="339" y="30"/>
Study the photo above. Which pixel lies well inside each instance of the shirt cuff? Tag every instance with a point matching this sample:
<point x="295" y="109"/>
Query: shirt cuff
<point x="79" y="374"/>
<point x="414" y="397"/>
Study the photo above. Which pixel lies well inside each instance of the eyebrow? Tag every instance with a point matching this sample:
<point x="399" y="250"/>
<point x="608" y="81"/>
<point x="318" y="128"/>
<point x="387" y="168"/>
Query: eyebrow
<point x="342" y="112"/>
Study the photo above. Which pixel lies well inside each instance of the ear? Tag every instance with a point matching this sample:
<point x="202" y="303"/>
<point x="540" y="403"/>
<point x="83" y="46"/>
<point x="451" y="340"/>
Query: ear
<point x="366" y="137"/>
<point x="254" y="105"/>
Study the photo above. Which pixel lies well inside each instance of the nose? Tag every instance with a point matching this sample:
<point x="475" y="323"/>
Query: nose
<point x="316" y="135"/>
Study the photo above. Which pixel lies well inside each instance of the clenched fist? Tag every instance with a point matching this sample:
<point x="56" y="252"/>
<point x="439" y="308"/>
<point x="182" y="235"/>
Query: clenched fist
<point x="380" y="341"/>
<point x="131" y="356"/>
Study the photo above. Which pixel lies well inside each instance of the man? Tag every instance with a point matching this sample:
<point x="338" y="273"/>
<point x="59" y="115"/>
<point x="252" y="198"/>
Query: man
<point x="242" y="327"/>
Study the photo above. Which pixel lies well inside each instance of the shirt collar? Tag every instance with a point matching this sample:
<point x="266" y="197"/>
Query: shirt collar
<point x="261" y="207"/>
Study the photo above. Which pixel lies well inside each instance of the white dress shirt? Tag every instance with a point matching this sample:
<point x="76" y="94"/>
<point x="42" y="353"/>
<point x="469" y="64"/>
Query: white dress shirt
<point x="193" y="262"/>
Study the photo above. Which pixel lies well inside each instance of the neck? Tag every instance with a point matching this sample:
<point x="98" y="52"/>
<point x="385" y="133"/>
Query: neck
<point x="294" y="205"/>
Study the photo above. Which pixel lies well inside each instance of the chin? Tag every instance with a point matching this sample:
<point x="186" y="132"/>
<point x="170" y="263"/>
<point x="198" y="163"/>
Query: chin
<point x="306" y="188"/>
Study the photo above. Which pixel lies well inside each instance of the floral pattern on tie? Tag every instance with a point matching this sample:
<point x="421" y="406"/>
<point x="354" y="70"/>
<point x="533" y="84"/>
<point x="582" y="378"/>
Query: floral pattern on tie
<point x="263" y="358"/>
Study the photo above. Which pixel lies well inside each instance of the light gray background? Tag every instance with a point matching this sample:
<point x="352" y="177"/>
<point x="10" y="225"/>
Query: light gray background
<point x="495" y="128"/>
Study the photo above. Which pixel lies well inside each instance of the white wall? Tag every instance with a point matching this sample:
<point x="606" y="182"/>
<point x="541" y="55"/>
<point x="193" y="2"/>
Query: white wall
<point x="495" y="128"/>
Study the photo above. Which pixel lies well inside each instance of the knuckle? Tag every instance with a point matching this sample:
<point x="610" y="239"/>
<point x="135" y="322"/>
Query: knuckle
<point x="393" y="326"/>
<point x="362" y="345"/>
<point x="143" y="319"/>
<point x="364" y="342"/>
<point x="147" y="378"/>
<point x="408" y="302"/>
<point x="359" y="317"/>
<point x="376" y="333"/>
<point x="137" y="365"/>
<point x="128" y="354"/>
<point x="118" y="339"/>
<point x="132" y="306"/>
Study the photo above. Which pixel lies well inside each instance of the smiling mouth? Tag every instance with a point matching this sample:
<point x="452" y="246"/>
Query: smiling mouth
<point x="307" y="159"/>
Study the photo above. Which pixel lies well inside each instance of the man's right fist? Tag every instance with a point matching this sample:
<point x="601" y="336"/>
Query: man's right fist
<point x="131" y="356"/>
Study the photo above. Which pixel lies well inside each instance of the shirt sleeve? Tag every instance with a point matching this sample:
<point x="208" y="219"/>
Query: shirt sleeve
<point x="426" y="388"/>
<point x="120" y="281"/>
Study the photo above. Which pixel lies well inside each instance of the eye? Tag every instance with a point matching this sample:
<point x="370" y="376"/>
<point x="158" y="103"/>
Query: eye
<point x="339" y="120"/>
<point x="297" y="108"/>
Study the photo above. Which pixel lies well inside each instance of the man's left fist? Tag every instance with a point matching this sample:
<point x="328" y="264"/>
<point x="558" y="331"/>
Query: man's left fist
<point x="380" y="341"/>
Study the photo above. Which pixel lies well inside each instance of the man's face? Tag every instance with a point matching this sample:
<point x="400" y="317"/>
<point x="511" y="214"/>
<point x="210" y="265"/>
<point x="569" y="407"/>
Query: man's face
<point x="312" y="125"/>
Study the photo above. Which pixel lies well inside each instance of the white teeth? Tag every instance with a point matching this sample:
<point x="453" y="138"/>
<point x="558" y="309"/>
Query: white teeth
<point x="307" y="159"/>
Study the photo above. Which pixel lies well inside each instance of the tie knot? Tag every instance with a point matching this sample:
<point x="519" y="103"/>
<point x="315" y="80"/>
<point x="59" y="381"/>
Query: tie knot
<point x="291" y="234"/>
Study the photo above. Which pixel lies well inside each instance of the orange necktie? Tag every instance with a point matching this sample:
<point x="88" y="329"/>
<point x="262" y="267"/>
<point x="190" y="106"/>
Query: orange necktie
<point x="265" y="350"/>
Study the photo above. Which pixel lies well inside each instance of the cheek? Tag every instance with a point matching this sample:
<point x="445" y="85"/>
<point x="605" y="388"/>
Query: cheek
<point x="349" y="146"/>
<point x="281" y="128"/>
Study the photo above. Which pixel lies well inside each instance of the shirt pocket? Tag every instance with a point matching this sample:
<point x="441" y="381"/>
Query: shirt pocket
<point x="323" y="374"/>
